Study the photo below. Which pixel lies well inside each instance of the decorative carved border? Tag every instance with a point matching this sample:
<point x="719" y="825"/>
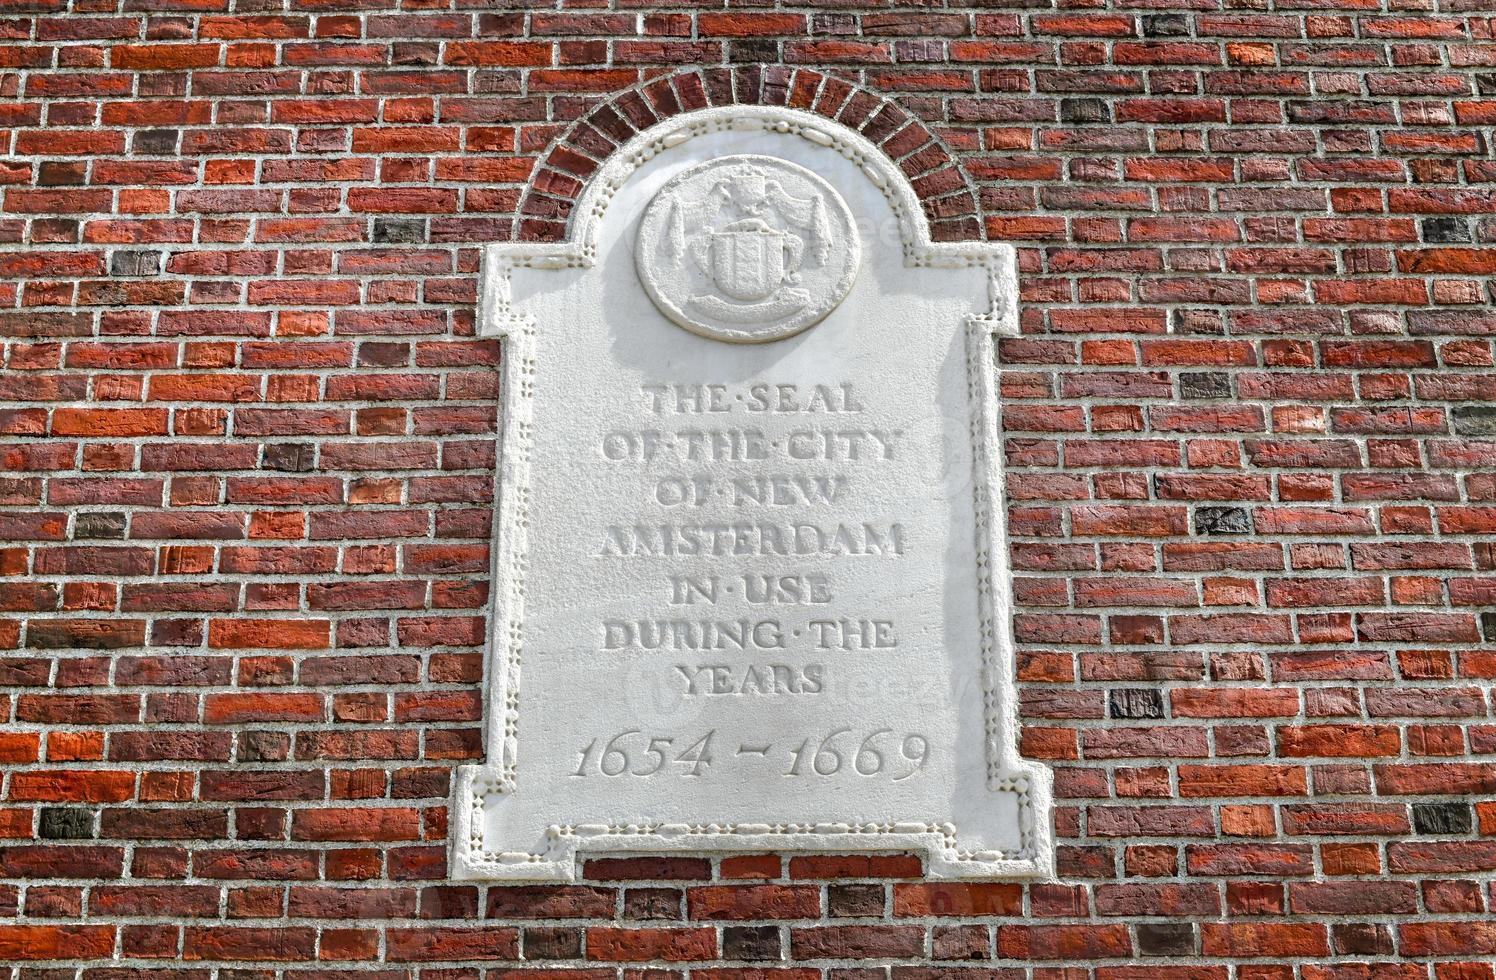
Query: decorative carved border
<point x="1006" y="771"/>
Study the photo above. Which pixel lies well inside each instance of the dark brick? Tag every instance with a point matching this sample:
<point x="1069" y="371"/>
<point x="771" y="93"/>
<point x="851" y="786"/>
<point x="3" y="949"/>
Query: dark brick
<point x="99" y="525"/>
<point x="744" y="51"/>
<point x="135" y="263"/>
<point x="263" y="746"/>
<point x="61" y="173"/>
<point x="1084" y="111"/>
<point x="1167" y="939"/>
<point x="856" y="900"/>
<point x="652" y="903"/>
<point x="551" y="943"/>
<point x="155" y="142"/>
<point x="1135" y="702"/>
<point x="1442" y="818"/>
<point x="1204" y="384"/>
<point x="1362" y="939"/>
<point x="1445" y="229"/>
<point x="382" y="354"/>
<point x="1166" y="25"/>
<point x="399" y="231"/>
<point x="1475" y="420"/>
<point x="756" y="943"/>
<point x="66" y="823"/>
<point x="289" y="457"/>
<point x="960" y="943"/>
<point x="1223" y="520"/>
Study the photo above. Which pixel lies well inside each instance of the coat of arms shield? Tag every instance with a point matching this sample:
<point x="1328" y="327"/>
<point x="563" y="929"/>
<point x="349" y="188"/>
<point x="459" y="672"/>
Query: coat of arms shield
<point x="747" y="260"/>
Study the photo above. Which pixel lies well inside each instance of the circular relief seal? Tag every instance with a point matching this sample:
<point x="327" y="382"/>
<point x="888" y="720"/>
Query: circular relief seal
<point x="747" y="249"/>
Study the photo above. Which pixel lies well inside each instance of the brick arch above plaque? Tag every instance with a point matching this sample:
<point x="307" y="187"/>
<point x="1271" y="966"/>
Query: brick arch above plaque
<point x="942" y="188"/>
<point x="751" y="596"/>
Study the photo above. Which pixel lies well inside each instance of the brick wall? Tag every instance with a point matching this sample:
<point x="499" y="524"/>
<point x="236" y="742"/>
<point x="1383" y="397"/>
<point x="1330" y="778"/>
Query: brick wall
<point x="248" y="454"/>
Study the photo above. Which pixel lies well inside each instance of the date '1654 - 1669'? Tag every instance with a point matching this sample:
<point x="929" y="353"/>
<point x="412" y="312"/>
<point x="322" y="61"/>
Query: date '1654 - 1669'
<point x="635" y="753"/>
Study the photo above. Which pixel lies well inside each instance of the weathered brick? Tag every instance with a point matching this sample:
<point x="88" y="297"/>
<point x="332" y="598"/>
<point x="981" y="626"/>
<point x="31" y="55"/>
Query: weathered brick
<point x="1247" y="433"/>
<point x="48" y="942"/>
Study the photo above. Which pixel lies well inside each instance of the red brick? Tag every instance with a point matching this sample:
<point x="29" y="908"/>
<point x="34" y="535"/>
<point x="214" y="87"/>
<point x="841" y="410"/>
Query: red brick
<point x="1441" y="857"/>
<point x="550" y="902"/>
<point x="47" y="942"/>
<point x="165" y="57"/>
<point x="1232" y="702"/>
<point x="63" y="861"/>
<point x="1264" y="939"/>
<point x="73" y="785"/>
<point x="855" y="942"/>
<point x="509" y="54"/>
<point x="1063" y="942"/>
<point x="1355" y="741"/>
<point x="266" y="944"/>
<point x="275" y="634"/>
<point x="1150" y="821"/>
<point x="957" y="899"/>
<point x="747" y="24"/>
<point x="109" y="422"/>
<point x="1448" y="938"/>
<point x="357" y="824"/>
<point x="276" y="784"/>
<point x="434" y="944"/>
<point x="1243" y="780"/>
<point x="751" y="866"/>
<point x="1353" y="897"/>
<point x="158" y="900"/>
<point x="1134" y="898"/>
<point x="640" y="945"/>
<point x="754" y="902"/>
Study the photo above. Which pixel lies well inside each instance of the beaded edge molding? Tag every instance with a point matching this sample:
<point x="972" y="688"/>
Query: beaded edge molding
<point x="1007" y="772"/>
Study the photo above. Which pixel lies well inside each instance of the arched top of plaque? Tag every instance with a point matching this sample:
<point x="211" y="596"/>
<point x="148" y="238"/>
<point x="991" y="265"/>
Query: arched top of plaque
<point x="913" y="228"/>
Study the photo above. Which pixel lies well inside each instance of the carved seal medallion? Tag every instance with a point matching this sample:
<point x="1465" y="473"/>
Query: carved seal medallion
<point x="747" y="249"/>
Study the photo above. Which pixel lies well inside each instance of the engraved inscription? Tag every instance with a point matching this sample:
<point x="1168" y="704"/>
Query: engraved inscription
<point x="742" y="496"/>
<point x="881" y="752"/>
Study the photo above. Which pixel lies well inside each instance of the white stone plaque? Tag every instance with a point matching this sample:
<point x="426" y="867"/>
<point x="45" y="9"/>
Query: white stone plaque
<point x="750" y="584"/>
